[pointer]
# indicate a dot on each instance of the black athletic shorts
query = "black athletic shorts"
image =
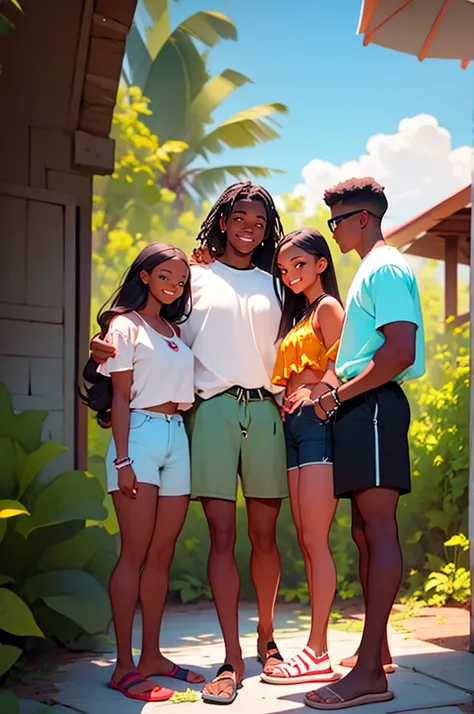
(370, 435)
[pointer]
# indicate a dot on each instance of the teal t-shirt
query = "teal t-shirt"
(383, 291)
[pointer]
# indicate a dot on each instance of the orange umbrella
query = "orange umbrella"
(424, 28)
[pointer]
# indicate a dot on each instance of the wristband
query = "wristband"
(329, 414)
(335, 396)
(121, 463)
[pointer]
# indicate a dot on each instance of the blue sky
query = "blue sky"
(307, 55)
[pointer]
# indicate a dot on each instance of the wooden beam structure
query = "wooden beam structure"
(451, 277)
(443, 233)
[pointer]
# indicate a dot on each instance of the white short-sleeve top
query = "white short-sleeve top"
(232, 329)
(163, 367)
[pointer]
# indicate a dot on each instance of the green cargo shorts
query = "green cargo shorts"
(220, 452)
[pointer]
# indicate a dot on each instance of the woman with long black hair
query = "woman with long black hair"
(148, 463)
(310, 328)
(235, 426)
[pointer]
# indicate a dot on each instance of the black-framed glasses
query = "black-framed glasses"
(333, 222)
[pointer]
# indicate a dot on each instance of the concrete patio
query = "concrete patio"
(428, 677)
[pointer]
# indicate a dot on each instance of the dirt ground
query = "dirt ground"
(446, 627)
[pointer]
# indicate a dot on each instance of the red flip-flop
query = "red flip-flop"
(129, 680)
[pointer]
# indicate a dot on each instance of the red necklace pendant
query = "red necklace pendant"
(172, 345)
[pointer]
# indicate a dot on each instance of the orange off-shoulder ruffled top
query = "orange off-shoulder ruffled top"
(301, 348)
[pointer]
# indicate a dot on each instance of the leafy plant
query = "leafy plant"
(452, 580)
(128, 199)
(10, 704)
(125, 205)
(439, 438)
(53, 569)
(190, 588)
(171, 71)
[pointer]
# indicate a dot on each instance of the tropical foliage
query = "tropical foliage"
(453, 580)
(436, 515)
(130, 204)
(53, 569)
(170, 70)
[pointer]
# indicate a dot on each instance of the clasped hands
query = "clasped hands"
(319, 395)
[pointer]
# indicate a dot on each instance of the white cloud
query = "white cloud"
(417, 166)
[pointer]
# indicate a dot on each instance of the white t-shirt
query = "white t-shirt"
(161, 373)
(232, 329)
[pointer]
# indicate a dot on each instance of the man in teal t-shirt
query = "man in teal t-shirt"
(382, 345)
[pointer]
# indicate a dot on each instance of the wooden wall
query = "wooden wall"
(45, 219)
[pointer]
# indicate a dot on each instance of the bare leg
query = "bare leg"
(358, 536)
(265, 563)
(170, 514)
(224, 581)
(136, 521)
(293, 486)
(316, 486)
(377, 507)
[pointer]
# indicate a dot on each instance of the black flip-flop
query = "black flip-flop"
(272, 651)
(215, 698)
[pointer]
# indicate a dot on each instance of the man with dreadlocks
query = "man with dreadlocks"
(235, 426)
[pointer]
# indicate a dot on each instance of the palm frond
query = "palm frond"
(245, 129)
(138, 59)
(215, 92)
(206, 26)
(207, 182)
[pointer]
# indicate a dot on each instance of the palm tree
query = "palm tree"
(173, 74)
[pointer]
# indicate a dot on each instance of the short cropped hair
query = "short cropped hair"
(358, 193)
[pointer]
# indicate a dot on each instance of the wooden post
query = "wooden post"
(450, 277)
(471, 429)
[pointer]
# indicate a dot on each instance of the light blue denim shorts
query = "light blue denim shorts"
(159, 448)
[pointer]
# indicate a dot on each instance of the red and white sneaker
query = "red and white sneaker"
(304, 668)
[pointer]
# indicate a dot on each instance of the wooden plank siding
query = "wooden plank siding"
(37, 306)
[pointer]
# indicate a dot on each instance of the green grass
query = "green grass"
(349, 625)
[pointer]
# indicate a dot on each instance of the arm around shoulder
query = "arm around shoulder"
(121, 334)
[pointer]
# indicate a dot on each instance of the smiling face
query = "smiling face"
(167, 281)
(245, 226)
(299, 270)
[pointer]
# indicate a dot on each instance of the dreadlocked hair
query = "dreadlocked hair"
(211, 233)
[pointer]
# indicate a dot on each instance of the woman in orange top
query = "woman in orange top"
(310, 328)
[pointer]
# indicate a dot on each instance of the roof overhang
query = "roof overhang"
(426, 234)
(99, 57)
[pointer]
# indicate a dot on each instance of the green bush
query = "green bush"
(54, 570)
(437, 509)
(453, 580)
